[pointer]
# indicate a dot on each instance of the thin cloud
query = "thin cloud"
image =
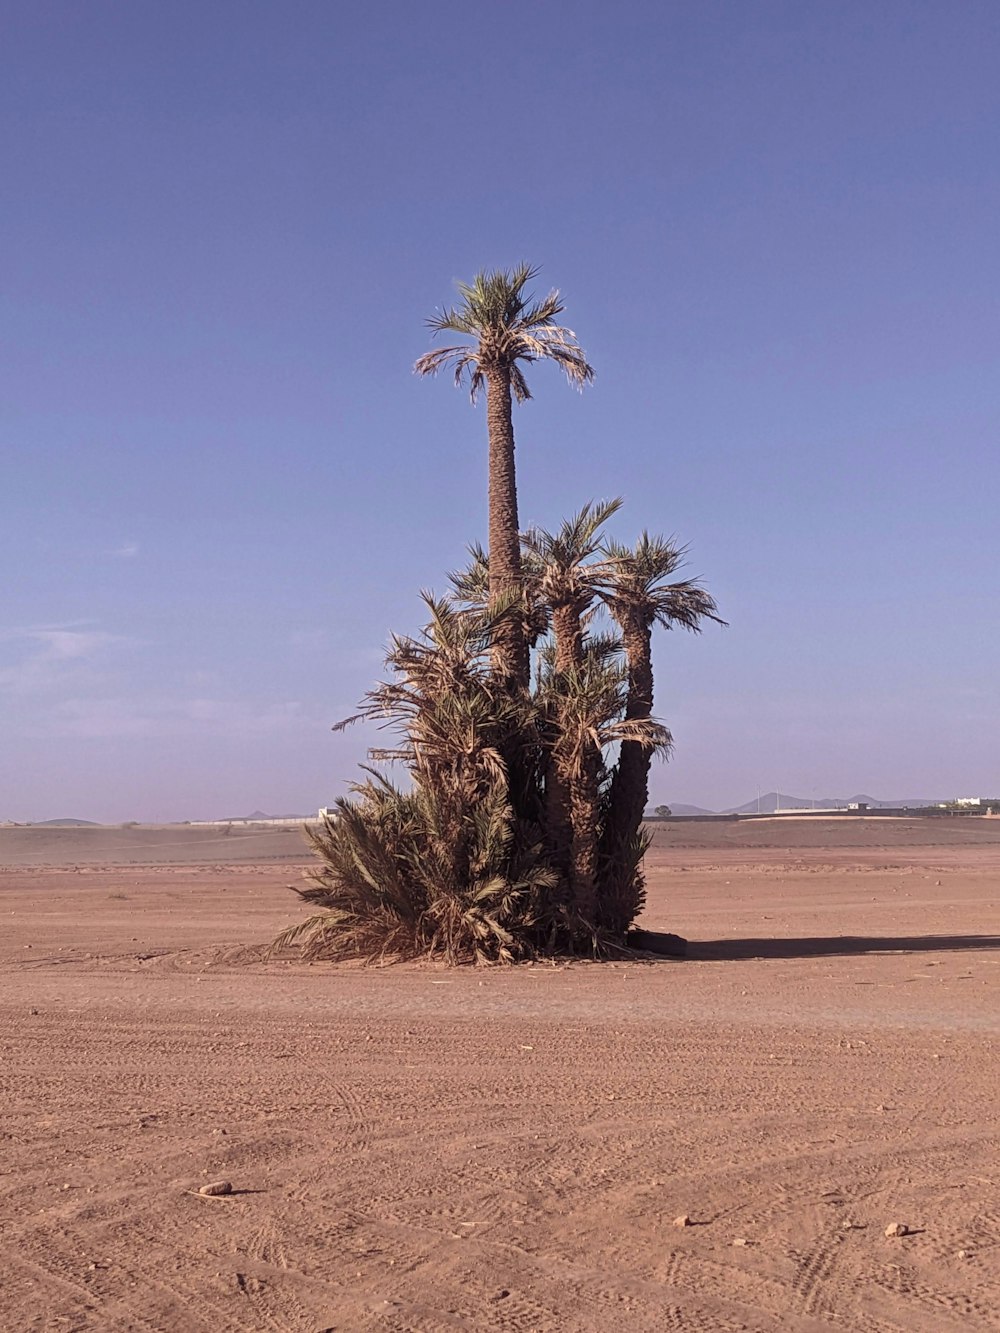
(103, 719)
(63, 645)
(47, 657)
(127, 551)
(64, 680)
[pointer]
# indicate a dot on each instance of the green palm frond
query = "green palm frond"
(471, 585)
(635, 589)
(567, 574)
(604, 648)
(577, 538)
(586, 707)
(508, 326)
(624, 884)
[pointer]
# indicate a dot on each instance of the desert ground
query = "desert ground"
(416, 1148)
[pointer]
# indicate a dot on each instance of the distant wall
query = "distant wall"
(249, 823)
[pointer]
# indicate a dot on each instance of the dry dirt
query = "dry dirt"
(413, 1148)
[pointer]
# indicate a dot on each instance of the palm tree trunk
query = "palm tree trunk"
(510, 659)
(558, 819)
(629, 785)
(584, 817)
(567, 627)
(571, 799)
(635, 759)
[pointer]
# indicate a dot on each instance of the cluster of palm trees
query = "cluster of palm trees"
(523, 712)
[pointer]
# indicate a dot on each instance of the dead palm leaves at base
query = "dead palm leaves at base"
(387, 889)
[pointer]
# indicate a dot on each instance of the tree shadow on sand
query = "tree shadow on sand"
(834, 945)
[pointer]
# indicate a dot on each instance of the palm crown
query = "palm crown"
(508, 326)
(636, 588)
(566, 576)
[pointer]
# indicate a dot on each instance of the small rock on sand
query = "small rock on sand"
(897, 1229)
(683, 1221)
(217, 1187)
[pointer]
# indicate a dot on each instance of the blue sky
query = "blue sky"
(775, 228)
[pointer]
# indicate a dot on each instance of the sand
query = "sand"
(414, 1148)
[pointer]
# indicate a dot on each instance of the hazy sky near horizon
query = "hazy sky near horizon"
(775, 228)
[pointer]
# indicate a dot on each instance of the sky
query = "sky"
(223, 226)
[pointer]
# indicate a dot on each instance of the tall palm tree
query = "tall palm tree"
(507, 326)
(638, 598)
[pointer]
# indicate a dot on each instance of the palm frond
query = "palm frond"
(634, 589)
(506, 326)
(472, 584)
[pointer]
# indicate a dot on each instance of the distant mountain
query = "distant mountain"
(66, 823)
(256, 817)
(905, 803)
(773, 801)
(768, 803)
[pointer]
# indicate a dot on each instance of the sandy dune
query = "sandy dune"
(418, 1149)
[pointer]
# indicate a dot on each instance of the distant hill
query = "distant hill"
(256, 816)
(773, 801)
(906, 802)
(65, 823)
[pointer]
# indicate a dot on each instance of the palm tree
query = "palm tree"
(507, 326)
(566, 585)
(638, 598)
